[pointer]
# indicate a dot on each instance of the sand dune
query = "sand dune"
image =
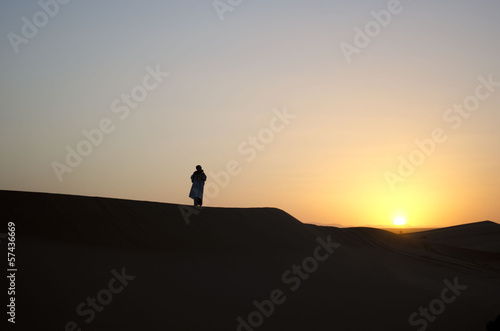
(148, 225)
(483, 236)
(240, 269)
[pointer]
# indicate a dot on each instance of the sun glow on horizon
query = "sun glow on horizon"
(399, 220)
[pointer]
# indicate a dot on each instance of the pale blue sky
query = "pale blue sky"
(352, 120)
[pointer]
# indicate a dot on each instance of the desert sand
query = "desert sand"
(91, 263)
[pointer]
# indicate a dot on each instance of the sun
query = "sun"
(399, 221)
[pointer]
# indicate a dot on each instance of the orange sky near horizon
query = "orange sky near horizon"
(339, 113)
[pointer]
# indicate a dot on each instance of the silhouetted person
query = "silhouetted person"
(198, 179)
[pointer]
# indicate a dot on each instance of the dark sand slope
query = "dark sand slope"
(482, 236)
(149, 270)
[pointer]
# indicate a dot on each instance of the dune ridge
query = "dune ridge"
(151, 225)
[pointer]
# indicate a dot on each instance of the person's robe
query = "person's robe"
(198, 180)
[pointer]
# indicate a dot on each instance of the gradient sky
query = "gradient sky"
(353, 121)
